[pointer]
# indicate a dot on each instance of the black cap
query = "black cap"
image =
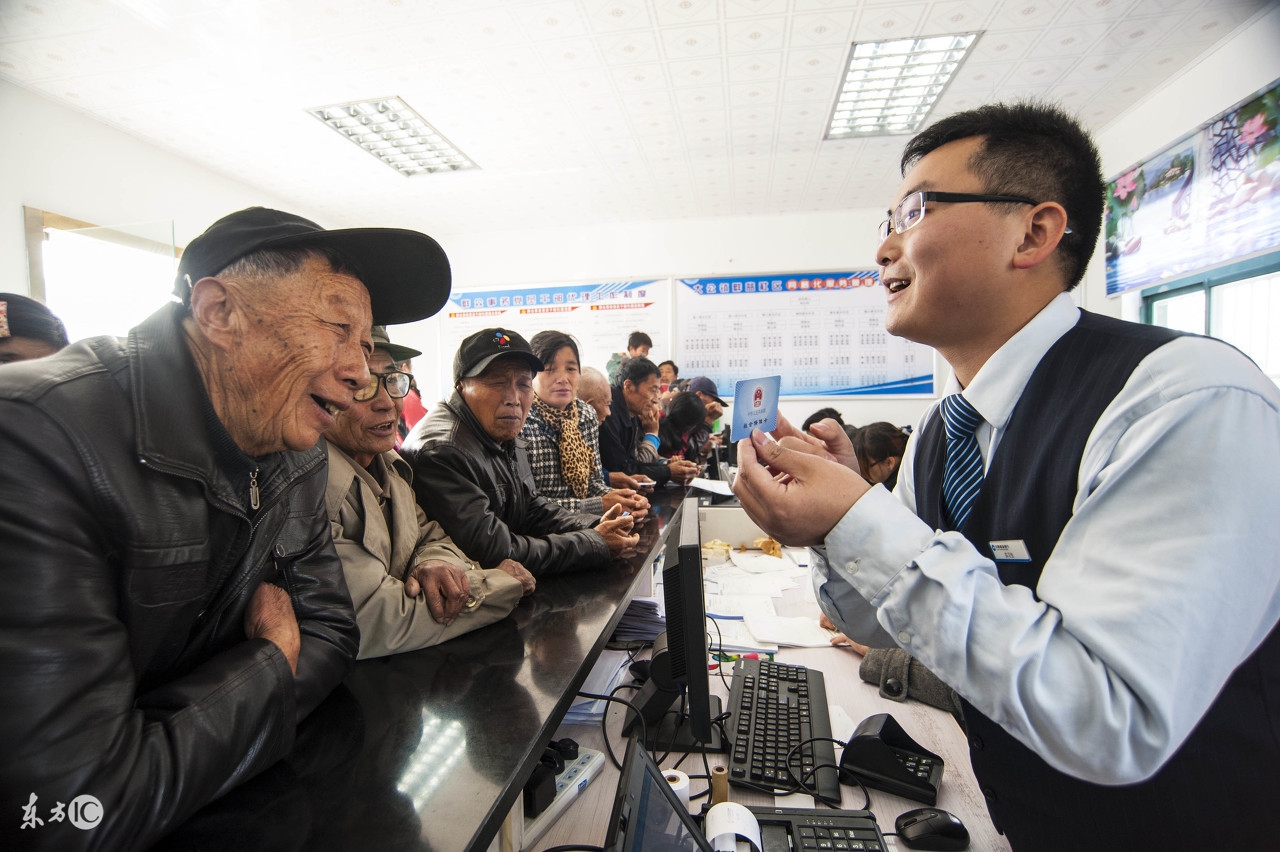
(481, 348)
(406, 273)
(705, 385)
(398, 353)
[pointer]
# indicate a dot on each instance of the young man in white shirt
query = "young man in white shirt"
(1106, 604)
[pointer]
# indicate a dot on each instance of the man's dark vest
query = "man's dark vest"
(1218, 791)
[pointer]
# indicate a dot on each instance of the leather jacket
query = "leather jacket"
(483, 494)
(130, 551)
(620, 439)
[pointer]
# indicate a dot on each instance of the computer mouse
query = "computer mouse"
(932, 829)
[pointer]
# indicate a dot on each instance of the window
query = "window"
(100, 280)
(1240, 304)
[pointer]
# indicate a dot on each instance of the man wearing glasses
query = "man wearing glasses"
(1083, 539)
(410, 584)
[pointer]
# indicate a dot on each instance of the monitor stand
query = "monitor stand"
(673, 733)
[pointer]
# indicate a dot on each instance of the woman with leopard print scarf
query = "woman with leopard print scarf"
(562, 435)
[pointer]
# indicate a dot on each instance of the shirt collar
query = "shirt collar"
(999, 383)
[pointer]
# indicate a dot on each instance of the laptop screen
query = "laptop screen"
(647, 816)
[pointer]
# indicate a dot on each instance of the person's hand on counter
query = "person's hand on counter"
(615, 527)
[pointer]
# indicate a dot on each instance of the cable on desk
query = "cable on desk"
(605, 717)
(866, 795)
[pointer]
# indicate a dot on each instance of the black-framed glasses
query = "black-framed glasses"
(396, 382)
(910, 211)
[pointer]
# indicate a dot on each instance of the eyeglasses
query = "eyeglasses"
(396, 382)
(910, 211)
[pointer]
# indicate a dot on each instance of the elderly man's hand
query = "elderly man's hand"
(515, 569)
(800, 510)
(629, 500)
(682, 471)
(270, 616)
(616, 530)
(444, 585)
(650, 416)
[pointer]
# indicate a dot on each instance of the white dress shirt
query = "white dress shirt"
(1166, 577)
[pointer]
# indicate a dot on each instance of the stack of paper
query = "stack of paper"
(641, 622)
(609, 671)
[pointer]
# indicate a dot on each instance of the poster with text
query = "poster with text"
(599, 315)
(822, 332)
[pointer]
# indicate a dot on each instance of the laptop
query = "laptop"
(647, 817)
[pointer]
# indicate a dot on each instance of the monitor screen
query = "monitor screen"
(647, 816)
(676, 702)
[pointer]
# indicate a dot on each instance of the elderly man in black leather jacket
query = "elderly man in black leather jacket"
(173, 603)
(472, 476)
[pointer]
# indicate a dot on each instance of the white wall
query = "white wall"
(59, 160)
(1247, 62)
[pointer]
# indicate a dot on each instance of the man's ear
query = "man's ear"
(1045, 226)
(216, 310)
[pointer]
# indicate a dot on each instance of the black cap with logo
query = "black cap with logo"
(481, 348)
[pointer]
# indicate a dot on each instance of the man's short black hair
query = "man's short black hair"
(639, 338)
(675, 370)
(636, 370)
(820, 415)
(1036, 150)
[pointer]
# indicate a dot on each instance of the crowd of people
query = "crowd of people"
(189, 569)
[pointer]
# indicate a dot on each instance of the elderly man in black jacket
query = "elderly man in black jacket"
(472, 475)
(173, 603)
(621, 432)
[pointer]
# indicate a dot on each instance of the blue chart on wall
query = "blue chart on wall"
(823, 332)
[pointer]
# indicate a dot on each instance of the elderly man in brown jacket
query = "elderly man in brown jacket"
(410, 584)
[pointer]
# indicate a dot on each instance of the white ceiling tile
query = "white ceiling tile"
(610, 15)
(570, 55)
(959, 16)
(686, 42)
(700, 99)
(821, 29)
(743, 8)
(755, 66)
(550, 20)
(696, 72)
(675, 12)
(880, 23)
(1070, 40)
(810, 90)
(639, 77)
(827, 63)
(630, 48)
(755, 34)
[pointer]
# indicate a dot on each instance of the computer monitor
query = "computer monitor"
(676, 701)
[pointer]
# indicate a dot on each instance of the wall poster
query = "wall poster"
(599, 315)
(823, 332)
(1209, 199)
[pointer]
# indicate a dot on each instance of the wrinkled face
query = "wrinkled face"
(639, 396)
(601, 399)
(299, 359)
(366, 429)
(13, 349)
(558, 381)
(945, 278)
(666, 374)
(500, 397)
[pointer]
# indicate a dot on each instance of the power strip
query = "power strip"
(575, 778)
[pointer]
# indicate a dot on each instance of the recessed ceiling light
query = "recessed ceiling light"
(391, 131)
(890, 86)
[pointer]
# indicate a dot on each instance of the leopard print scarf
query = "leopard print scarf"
(576, 459)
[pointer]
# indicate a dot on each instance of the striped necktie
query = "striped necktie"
(962, 476)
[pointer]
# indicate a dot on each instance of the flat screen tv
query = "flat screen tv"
(676, 701)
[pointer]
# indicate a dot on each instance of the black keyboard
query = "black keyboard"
(776, 707)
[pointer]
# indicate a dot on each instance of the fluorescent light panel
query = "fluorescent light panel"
(890, 86)
(390, 130)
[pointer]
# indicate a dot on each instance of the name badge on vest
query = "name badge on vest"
(1014, 550)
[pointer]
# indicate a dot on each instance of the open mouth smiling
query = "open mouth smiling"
(896, 285)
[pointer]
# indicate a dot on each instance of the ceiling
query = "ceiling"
(577, 111)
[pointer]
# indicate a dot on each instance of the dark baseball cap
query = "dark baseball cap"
(481, 348)
(397, 352)
(704, 385)
(406, 273)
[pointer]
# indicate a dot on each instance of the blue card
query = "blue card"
(755, 406)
